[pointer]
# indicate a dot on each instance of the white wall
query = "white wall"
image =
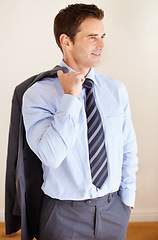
(27, 47)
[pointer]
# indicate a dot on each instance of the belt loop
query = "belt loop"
(73, 203)
(109, 197)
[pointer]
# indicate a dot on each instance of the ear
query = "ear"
(65, 41)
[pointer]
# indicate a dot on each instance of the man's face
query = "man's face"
(85, 51)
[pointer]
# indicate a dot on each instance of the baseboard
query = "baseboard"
(144, 215)
(2, 215)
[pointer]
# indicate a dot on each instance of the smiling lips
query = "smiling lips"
(96, 54)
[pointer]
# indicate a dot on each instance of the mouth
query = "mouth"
(96, 54)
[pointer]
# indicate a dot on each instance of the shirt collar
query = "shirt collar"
(63, 64)
(90, 75)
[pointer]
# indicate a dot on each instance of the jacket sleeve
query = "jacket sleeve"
(12, 209)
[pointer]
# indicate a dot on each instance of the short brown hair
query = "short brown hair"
(69, 19)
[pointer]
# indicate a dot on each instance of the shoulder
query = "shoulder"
(44, 92)
(42, 85)
(108, 82)
(111, 87)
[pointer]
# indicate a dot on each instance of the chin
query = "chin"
(95, 64)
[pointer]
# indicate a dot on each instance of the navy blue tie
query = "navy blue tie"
(96, 142)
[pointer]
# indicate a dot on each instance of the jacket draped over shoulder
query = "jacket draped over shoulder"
(24, 175)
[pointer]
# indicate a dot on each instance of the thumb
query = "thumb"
(59, 73)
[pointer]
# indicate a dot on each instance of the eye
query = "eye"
(92, 38)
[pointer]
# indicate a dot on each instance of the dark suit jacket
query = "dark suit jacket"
(24, 175)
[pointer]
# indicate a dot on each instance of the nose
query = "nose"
(100, 44)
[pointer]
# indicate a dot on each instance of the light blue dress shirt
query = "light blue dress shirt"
(56, 131)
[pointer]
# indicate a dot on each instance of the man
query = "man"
(81, 203)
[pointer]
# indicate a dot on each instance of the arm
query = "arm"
(52, 124)
(130, 161)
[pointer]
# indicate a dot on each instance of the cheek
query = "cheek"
(83, 48)
(81, 53)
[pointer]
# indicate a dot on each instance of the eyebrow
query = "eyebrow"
(95, 35)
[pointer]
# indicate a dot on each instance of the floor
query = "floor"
(136, 231)
(142, 231)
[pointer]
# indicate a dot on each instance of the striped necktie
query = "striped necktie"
(97, 150)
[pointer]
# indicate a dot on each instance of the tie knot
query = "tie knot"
(88, 83)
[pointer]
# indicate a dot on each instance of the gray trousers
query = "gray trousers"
(103, 218)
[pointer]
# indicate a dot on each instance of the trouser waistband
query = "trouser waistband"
(91, 201)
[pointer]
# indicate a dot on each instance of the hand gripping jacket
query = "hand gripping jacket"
(24, 176)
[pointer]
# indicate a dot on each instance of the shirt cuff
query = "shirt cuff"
(128, 197)
(70, 105)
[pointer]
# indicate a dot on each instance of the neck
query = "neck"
(76, 67)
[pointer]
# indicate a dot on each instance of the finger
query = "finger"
(59, 73)
(82, 80)
(77, 73)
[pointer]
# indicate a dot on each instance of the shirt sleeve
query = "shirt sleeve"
(51, 127)
(130, 160)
